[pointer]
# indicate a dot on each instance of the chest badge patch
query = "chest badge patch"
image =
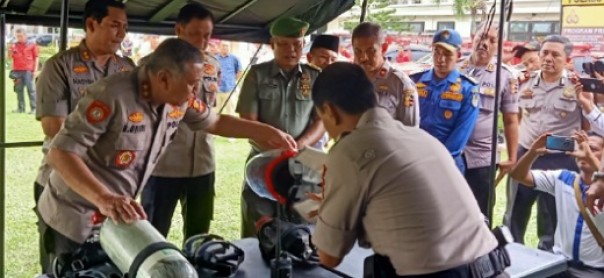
(136, 117)
(80, 69)
(123, 159)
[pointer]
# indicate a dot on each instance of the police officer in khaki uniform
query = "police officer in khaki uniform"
(111, 143)
(549, 104)
(394, 90)
(481, 66)
(185, 172)
(65, 75)
(381, 189)
(278, 93)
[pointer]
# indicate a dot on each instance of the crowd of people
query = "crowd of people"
(408, 175)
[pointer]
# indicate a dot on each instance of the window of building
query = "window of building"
(445, 25)
(415, 27)
(417, 1)
(531, 30)
(519, 27)
(402, 26)
(542, 27)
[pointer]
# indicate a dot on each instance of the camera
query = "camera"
(591, 67)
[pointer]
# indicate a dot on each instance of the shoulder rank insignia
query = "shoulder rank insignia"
(313, 66)
(468, 78)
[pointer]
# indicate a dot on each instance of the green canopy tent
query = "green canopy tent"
(236, 20)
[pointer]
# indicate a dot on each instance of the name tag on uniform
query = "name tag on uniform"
(452, 96)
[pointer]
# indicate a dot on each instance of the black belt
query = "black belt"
(489, 265)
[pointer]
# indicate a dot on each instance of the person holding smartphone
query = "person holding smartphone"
(548, 102)
(573, 238)
(591, 112)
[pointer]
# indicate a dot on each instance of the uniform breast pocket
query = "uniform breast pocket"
(449, 110)
(129, 151)
(268, 93)
(304, 104)
(531, 105)
(487, 103)
(564, 106)
(388, 101)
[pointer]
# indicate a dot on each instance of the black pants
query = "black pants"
(479, 181)
(196, 196)
(55, 244)
(44, 260)
(25, 79)
(521, 199)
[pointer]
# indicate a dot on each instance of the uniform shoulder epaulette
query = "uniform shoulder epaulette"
(128, 60)
(468, 78)
(507, 68)
(416, 76)
(210, 57)
(313, 66)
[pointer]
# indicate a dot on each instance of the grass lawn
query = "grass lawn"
(21, 233)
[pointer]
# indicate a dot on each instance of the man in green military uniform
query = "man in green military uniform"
(278, 93)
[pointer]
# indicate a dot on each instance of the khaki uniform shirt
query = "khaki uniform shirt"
(66, 75)
(397, 190)
(397, 93)
(282, 102)
(548, 108)
(191, 154)
(120, 136)
(478, 149)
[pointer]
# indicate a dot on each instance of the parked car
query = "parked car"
(46, 39)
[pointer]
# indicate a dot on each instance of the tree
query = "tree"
(473, 6)
(378, 11)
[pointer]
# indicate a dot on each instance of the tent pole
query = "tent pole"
(494, 143)
(239, 81)
(2, 140)
(364, 10)
(64, 24)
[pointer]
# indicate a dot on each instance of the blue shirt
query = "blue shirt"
(448, 107)
(229, 66)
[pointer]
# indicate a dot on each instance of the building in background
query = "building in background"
(531, 19)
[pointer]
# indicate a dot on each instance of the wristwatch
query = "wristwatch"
(597, 176)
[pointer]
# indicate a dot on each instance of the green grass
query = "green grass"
(22, 164)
